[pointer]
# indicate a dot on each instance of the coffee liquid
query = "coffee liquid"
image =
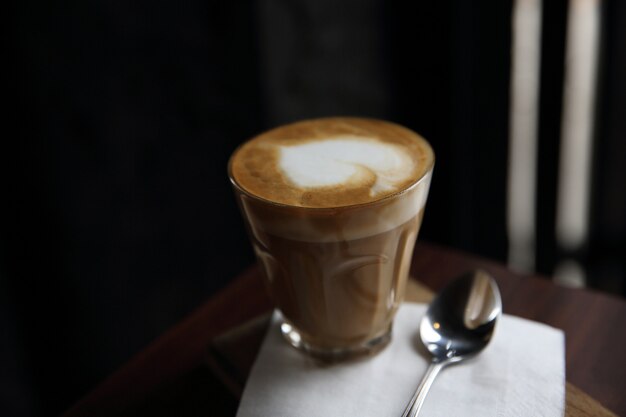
(333, 207)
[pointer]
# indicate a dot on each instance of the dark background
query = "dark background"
(119, 216)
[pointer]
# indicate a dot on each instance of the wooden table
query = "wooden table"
(171, 376)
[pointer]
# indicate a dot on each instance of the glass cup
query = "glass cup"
(337, 274)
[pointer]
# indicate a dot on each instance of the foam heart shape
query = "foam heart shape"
(350, 161)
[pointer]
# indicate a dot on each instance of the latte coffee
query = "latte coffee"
(333, 207)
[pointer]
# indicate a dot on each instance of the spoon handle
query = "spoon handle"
(414, 406)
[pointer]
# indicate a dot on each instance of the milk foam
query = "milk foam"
(349, 161)
(330, 179)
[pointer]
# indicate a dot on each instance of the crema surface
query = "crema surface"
(331, 162)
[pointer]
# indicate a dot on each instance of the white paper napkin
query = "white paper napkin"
(521, 373)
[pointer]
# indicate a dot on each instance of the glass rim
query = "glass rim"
(380, 201)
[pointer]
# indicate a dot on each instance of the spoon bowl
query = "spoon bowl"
(458, 324)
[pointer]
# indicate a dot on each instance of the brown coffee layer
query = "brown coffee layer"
(339, 294)
(255, 165)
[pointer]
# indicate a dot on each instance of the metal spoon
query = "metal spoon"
(458, 324)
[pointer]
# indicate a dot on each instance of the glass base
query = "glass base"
(370, 347)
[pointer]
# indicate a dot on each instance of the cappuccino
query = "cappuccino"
(333, 207)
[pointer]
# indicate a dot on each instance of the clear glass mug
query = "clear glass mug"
(337, 275)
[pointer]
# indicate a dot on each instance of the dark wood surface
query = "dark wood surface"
(168, 377)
